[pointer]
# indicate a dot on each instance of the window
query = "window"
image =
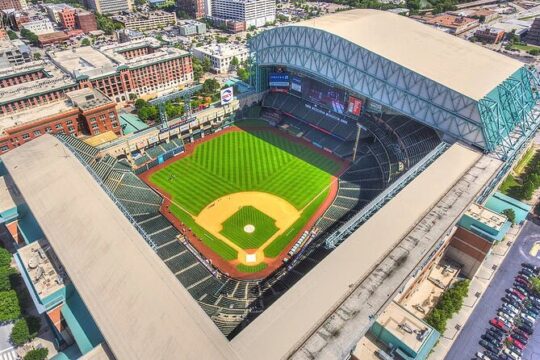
(48, 129)
(102, 117)
(37, 132)
(4, 148)
(111, 115)
(25, 136)
(93, 120)
(114, 124)
(94, 126)
(71, 129)
(58, 126)
(69, 122)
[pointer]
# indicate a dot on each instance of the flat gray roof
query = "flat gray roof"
(446, 59)
(296, 314)
(139, 306)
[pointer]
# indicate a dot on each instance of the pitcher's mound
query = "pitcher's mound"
(249, 228)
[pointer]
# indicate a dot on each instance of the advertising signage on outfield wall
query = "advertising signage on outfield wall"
(278, 80)
(227, 95)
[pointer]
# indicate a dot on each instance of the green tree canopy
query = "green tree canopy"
(24, 330)
(510, 214)
(37, 354)
(9, 306)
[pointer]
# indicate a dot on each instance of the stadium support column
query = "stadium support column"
(359, 128)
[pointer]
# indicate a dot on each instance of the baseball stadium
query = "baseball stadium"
(281, 224)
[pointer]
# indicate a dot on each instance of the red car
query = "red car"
(517, 343)
(521, 332)
(518, 294)
(499, 324)
(523, 280)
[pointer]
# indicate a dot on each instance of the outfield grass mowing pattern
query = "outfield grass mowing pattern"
(233, 228)
(246, 161)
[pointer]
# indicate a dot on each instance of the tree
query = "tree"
(24, 330)
(535, 282)
(5, 257)
(197, 69)
(106, 24)
(235, 62)
(210, 86)
(86, 42)
(140, 103)
(37, 56)
(534, 52)
(37, 354)
(9, 278)
(12, 35)
(243, 74)
(510, 214)
(9, 306)
(30, 36)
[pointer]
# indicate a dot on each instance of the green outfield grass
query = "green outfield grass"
(258, 160)
(233, 228)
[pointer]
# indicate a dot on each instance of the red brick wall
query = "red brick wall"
(100, 120)
(86, 22)
(471, 244)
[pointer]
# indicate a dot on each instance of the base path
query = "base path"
(216, 213)
(229, 267)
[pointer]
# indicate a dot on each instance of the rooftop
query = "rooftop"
(9, 194)
(450, 21)
(223, 50)
(84, 61)
(43, 268)
(485, 216)
(448, 60)
(19, 118)
(88, 98)
(54, 79)
(403, 325)
(140, 16)
(110, 258)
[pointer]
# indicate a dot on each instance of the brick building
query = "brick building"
(12, 4)
(489, 35)
(85, 21)
(80, 112)
(193, 8)
(141, 67)
(67, 18)
(32, 84)
(454, 24)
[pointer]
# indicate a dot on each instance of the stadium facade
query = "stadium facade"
(429, 123)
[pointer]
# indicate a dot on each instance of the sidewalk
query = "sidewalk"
(478, 285)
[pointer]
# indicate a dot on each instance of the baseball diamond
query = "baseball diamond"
(247, 193)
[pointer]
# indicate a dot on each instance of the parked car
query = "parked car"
(525, 316)
(531, 267)
(527, 329)
(499, 324)
(514, 292)
(512, 354)
(515, 349)
(516, 342)
(509, 310)
(488, 346)
(521, 333)
(490, 339)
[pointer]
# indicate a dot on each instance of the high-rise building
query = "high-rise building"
(250, 12)
(533, 36)
(110, 6)
(193, 8)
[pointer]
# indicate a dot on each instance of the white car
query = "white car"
(512, 354)
(528, 317)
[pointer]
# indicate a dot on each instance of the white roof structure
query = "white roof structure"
(296, 313)
(455, 63)
(139, 306)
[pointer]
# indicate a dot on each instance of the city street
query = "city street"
(466, 345)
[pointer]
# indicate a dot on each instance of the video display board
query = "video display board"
(355, 106)
(278, 80)
(333, 98)
(296, 84)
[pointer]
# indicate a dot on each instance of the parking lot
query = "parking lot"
(466, 344)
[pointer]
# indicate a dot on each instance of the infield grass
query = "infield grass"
(258, 160)
(234, 228)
